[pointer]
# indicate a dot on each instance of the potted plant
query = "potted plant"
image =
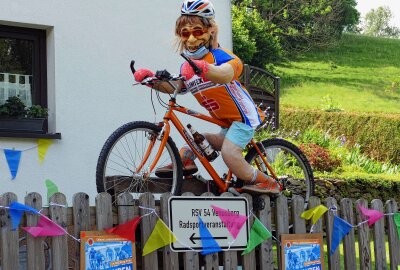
(15, 117)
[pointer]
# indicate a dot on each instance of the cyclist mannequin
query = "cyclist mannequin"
(218, 90)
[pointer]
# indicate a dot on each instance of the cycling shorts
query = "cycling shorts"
(238, 133)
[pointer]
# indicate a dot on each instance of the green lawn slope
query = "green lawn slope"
(360, 74)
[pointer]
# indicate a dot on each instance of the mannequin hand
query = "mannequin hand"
(188, 71)
(142, 74)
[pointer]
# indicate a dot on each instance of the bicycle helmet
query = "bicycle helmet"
(201, 8)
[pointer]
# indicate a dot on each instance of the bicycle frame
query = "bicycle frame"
(223, 184)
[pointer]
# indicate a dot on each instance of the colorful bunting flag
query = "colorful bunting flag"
(51, 188)
(159, 237)
(45, 227)
(43, 146)
(258, 234)
(340, 229)
(372, 215)
(13, 157)
(16, 211)
(314, 213)
(233, 222)
(397, 222)
(126, 230)
(207, 240)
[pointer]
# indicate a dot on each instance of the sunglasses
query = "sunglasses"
(196, 33)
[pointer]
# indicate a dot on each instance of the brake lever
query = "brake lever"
(196, 69)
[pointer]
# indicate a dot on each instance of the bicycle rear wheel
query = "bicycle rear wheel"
(289, 164)
(123, 167)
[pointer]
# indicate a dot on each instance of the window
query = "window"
(23, 68)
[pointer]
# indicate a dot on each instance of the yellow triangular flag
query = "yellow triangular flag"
(159, 237)
(43, 145)
(314, 213)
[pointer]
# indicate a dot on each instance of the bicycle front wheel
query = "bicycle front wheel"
(289, 164)
(125, 159)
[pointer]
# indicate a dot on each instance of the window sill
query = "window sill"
(4, 134)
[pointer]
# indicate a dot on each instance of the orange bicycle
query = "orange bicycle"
(133, 152)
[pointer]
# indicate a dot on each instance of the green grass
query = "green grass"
(359, 74)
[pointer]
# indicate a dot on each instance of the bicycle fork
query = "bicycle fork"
(163, 137)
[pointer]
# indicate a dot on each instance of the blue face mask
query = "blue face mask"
(200, 53)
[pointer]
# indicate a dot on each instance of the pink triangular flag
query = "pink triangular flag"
(233, 222)
(372, 215)
(45, 227)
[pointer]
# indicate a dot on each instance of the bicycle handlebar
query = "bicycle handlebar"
(165, 75)
(132, 66)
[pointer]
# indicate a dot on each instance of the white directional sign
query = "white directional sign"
(184, 214)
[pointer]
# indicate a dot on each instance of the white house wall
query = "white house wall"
(89, 48)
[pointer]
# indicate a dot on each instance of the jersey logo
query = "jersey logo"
(210, 104)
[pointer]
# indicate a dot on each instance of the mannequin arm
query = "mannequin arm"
(220, 74)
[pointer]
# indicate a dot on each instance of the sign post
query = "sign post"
(184, 214)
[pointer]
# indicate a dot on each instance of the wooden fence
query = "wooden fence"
(282, 217)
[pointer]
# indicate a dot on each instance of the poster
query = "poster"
(302, 251)
(100, 250)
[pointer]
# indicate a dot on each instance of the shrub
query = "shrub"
(320, 158)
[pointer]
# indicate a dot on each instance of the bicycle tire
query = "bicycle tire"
(285, 158)
(124, 150)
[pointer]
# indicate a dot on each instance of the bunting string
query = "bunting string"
(13, 156)
(162, 235)
(340, 226)
(45, 217)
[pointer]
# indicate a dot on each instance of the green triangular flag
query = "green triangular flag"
(258, 234)
(397, 222)
(51, 188)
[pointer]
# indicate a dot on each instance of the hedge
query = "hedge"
(377, 134)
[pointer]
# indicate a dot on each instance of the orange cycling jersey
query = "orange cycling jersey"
(228, 102)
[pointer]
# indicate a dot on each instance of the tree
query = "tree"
(376, 23)
(288, 26)
(253, 40)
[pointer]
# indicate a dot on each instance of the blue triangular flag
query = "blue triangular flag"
(208, 242)
(16, 211)
(13, 157)
(340, 229)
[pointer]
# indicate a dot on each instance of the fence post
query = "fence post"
(379, 237)
(9, 238)
(249, 260)
(170, 259)
(363, 238)
(35, 246)
(299, 224)
(230, 257)
(190, 259)
(334, 259)
(59, 244)
(393, 238)
(314, 202)
(104, 218)
(281, 222)
(81, 219)
(150, 261)
(349, 250)
(266, 256)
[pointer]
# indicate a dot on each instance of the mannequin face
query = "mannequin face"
(194, 36)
